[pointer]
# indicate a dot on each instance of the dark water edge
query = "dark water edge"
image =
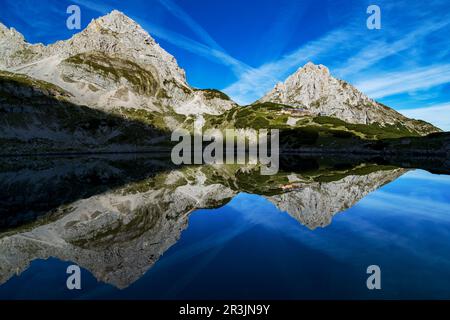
(435, 145)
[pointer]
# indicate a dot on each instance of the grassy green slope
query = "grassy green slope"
(275, 116)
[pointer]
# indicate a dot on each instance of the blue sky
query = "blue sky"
(245, 47)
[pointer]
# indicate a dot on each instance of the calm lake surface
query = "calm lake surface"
(142, 230)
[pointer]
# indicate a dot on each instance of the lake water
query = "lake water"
(140, 229)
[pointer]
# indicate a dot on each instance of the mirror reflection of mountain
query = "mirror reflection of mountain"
(99, 213)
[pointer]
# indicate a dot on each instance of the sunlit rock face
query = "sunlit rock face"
(119, 234)
(315, 90)
(113, 63)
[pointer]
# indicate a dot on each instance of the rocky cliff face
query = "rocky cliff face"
(313, 89)
(112, 63)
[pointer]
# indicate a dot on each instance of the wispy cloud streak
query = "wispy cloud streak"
(213, 54)
(376, 51)
(389, 84)
(178, 12)
(215, 49)
(439, 115)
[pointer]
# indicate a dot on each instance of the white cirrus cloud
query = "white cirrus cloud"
(439, 115)
(392, 83)
(215, 53)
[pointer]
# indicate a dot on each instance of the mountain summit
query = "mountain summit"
(112, 34)
(113, 64)
(315, 90)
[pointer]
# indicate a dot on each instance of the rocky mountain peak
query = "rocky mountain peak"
(117, 23)
(309, 84)
(116, 16)
(3, 28)
(12, 47)
(314, 89)
(315, 77)
(113, 63)
(11, 32)
(308, 73)
(310, 67)
(117, 35)
(117, 32)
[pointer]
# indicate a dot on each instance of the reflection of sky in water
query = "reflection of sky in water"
(249, 249)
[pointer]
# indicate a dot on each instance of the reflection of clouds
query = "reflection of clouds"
(336, 241)
(370, 234)
(410, 224)
(407, 225)
(421, 226)
(215, 241)
(203, 250)
(413, 227)
(257, 210)
(424, 175)
(394, 204)
(254, 209)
